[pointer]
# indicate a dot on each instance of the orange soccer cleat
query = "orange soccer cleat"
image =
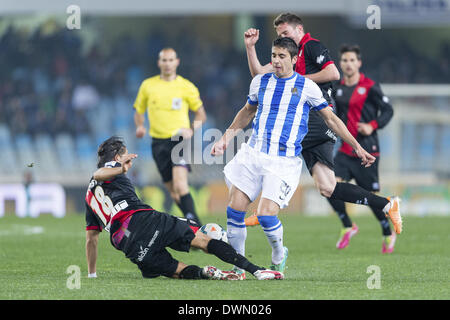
(251, 220)
(394, 214)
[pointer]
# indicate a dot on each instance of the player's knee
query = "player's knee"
(201, 241)
(175, 197)
(326, 190)
(180, 188)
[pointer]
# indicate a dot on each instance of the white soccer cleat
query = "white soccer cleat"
(214, 273)
(268, 275)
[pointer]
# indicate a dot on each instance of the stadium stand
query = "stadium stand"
(60, 97)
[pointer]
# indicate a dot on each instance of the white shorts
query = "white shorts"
(252, 171)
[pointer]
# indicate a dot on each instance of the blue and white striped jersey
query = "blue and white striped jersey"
(281, 121)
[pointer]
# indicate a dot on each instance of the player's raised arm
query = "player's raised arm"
(319, 54)
(108, 173)
(251, 36)
(241, 120)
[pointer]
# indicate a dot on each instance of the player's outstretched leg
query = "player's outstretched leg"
(193, 272)
(226, 253)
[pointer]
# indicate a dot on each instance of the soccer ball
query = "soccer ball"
(215, 231)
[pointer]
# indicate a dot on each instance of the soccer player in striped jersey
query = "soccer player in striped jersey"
(315, 63)
(279, 103)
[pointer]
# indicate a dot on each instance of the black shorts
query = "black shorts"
(322, 153)
(150, 232)
(162, 153)
(349, 168)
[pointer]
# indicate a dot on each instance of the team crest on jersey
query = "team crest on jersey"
(294, 91)
(339, 92)
(361, 90)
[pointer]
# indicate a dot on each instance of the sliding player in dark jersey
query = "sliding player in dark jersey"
(363, 107)
(314, 62)
(143, 233)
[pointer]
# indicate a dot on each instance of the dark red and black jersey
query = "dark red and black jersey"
(363, 102)
(110, 201)
(313, 57)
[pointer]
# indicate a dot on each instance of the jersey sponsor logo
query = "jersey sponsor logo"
(320, 59)
(143, 251)
(361, 90)
(331, 134)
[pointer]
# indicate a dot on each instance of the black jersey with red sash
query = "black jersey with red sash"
(363, 102)
(313, 57)
(108, 202)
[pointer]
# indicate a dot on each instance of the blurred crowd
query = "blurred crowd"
(48, 83)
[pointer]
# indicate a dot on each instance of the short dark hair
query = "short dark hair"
(289, 18)
(351, 48)
(286, 43)
(109, 149)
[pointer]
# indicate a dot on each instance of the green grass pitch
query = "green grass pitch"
(35, 255)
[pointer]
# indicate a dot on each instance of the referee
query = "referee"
(167, 98)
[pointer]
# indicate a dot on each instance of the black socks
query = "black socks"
(225, 252)
(355, 194)
(187, 206)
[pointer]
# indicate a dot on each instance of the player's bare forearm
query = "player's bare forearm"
(242, 119)
(254, 65)
(199, 118)
(91, 249)
(336, 124)
(139, 119)
(105, 174)
(330, 73)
